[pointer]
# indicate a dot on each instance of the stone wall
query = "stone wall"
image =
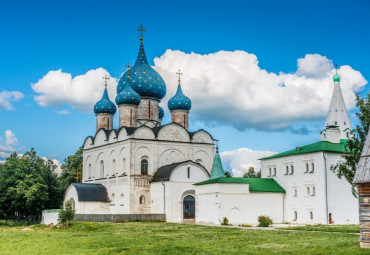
(104, 120)
(119, 217)
(127, 115)
(180, 117)
(143, 111)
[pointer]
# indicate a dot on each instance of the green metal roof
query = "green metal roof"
(313, 147)
(51, 210)
(217, 169)
(255, 184)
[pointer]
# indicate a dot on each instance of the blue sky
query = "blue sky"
(78, 36)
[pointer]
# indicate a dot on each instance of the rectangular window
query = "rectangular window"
(274, 171)
(188, 172)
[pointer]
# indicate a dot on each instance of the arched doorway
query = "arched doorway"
(189, 207)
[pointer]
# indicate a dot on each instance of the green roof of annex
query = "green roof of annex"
(313, 147)
(255, 184)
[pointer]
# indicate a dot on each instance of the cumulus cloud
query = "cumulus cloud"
(62, 112)
(58, 88)
(58, 166)
(7, 96)
(239, 160)
(226, 88)
(9, 144)
(230, 88)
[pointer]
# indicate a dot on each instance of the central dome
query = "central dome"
(144, 79)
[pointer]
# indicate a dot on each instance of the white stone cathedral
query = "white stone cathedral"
(149, 171)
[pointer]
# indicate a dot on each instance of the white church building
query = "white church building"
(149, 171)
(314, 194)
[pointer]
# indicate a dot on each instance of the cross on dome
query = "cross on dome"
(179, 73)
(106, 78)
(128, 66)
(336, 66)
(141, 29)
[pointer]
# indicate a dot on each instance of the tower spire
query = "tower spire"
(217, 169)
(337, 116)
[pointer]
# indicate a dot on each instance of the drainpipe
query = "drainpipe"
(164, 197)
(326, 189)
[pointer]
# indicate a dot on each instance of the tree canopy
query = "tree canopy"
(354, 146)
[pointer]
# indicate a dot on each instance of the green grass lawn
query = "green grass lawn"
(328, 228)
(169, 238)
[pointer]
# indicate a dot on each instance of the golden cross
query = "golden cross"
(336, 67)
(128, 66)
(179, 73)
(141, 29)
(106, 78)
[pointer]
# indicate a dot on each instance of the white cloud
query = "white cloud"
(226, 88)
(57, 88)
(58, 169)
(10, 145)
(229, 88)
(239, 160)
(7, 96)
(62, 112)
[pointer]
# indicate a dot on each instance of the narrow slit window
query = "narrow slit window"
(188, 172)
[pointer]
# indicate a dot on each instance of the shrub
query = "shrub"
(264, 221)
(225, 221)
(67, 213)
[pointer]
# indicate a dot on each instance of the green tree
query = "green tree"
(228, 174)
(27, 185)
(67, 213)
(71, 167)
(354, 146)
(251, 173)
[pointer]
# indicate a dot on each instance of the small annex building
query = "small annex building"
(241, 200)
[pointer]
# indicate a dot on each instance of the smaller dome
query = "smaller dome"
(179, 101)
(161, 112)
(336, 77)
(128, 95)
(105, 105)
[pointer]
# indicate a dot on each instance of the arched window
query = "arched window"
(113, 167)
(295, 192)
(287, 170)
(274, 171)
(311, 215)
(89, 171)
(313, 191)
(312, 167)
(307, 167)
(269, 172)
(308, 190)
(144, 166)
(123, 166)
(101, 168)
(295, 216)
(142, 200)
(291, 169)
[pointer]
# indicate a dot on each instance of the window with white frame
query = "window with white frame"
(274, 171)
(291, 169)
(269, 172)
(286, 170)
(312, 168)
(307, 168)
(313, 191)
(308, 190)
(311, 215)
(295, 192)
(101, 169)
(295, 215)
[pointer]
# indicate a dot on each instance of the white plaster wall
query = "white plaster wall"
(50, 218)
(177, 188)
(341, 204)
(234, 201)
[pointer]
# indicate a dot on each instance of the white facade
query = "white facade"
(235, 202)
(314, 194)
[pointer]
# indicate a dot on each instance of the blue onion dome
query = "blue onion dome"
(144, 79)
(179, 101)
(128, 95)
(161, 112)
(336, 77)
(105, 105)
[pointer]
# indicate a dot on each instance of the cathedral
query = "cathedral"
(148, 170)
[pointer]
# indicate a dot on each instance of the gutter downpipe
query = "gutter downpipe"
(164, 197)
(326, 189)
